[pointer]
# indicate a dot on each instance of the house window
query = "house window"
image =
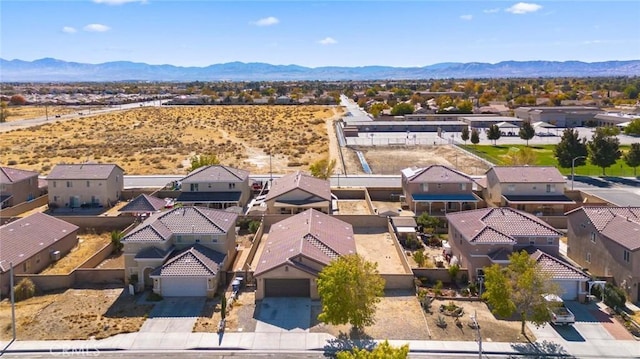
(209, 185)
(511, 188)
(55, 198)
(463, 186)
(194, 187)
(54, 184)
(69, 184)
(593, 237)
(232, 185)
(197, 240)
(534, 187)
(88, 185)
(588, 257)
(625, 255)
(425, 187)
(549, 241)
(532, 241)
(551, 188)
(439, 185)
(214, 240)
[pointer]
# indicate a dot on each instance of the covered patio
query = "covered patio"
(539, 205)
(450, 202)
(217, 200)
(294, 207)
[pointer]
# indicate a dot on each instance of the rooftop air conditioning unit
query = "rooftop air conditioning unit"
(55, 255)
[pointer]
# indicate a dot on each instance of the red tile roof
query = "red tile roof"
(528, 174)
(12, 175)
(305, 182)
(23, 238)
(498, 225)
(82, 171)
(144, 203)
(195, 261)
(311, 234)
(620, 224)
(436, 174)
(557, 268)
(216, 173)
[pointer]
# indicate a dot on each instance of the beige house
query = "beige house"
(533, 189)
(606, 240)
(32, 243)
(297, 249)
(438, 189)
(85, 185)
(17, 186)
(296, 192)
(181, 252)
(215, 186)
(483, 237)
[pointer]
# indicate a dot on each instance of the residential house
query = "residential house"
(17, 186)
(438, 189)
(85, 184)
(534, 189)
(296, 192)
(606, 240)
(215, 186)
(181, 252)
(296, 250)
(483, 237)
(32, 243)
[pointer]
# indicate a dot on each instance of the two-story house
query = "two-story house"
(32, 243)
(296, 192)
(215, 186)
(17, 186)
(606, 240)
(181, 252)
(85, 184)
(297, 249)
(483, 237)
(437, 189)
(534, 189)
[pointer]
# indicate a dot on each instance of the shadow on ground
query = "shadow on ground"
(544, 349)
(127, 306)
(348, 341)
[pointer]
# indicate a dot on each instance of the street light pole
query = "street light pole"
(573, 165)
(13, 301)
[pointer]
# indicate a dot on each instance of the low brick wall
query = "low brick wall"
(46, 283)
(24, 207)
(349, 193)
(399, 249)
(557, 222)
(363, 220)
(256, 243)
(398, 281)
(385, 194)
(129, 194)
(98, 257)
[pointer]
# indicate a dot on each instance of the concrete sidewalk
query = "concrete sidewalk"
(299, 341)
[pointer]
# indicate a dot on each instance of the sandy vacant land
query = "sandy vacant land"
(74, 314)
(375, 245)
(352, 206)
(162, 140)
(17, 113)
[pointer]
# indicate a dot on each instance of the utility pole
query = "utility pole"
(474, 318)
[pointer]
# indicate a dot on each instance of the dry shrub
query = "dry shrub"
(24, 290)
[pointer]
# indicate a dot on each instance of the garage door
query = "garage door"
(568, 289)
(287, 288)
(184, 286)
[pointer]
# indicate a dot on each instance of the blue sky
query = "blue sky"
(310, 33)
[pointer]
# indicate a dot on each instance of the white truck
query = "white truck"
(560, 314)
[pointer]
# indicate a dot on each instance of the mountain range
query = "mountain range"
(48, 69)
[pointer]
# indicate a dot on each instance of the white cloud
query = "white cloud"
(491, 11)
(327, 41)
(466, 17)
(523, 8)
(267, 21)
(96, 28)
(69, 30)
(118, 2)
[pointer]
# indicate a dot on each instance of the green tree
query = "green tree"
(632, 157)
(402, 108)
(631, 92)
(4, 112)
(429, 223)
(494, 133)
(464, 135)
(604, 149)
(377, 108)
(198, 161)
(323, 168)
(116, 240)
(633, 128)
(519, 288)
(526, 132)
(349, 288)
(570, 147)
(475, 136)
(382, 351)
(465, 106)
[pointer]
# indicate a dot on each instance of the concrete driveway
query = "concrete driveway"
(174, 315)
(276, 315)
(594, 333)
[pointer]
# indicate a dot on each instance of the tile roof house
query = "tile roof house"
(533, 189)
(143, 205)
(296, 192)
(296, 250)
(606, 240)
(181, 252)
(17, 186)
(438, 188)
(216, 186)
(85, 184)
(32, 243)
(483, 237)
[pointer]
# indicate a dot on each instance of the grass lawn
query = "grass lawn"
(495, 154)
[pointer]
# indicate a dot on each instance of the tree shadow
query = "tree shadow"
(356, 338)
(543, 349)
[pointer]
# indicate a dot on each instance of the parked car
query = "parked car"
(560, 314)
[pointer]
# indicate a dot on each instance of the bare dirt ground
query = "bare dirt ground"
(17, 113)
(114, 261)
(162, 140)
(74, 314)
(375, 245)
(88, 245)
(353, 206)
(239, 317)
(391, 160)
